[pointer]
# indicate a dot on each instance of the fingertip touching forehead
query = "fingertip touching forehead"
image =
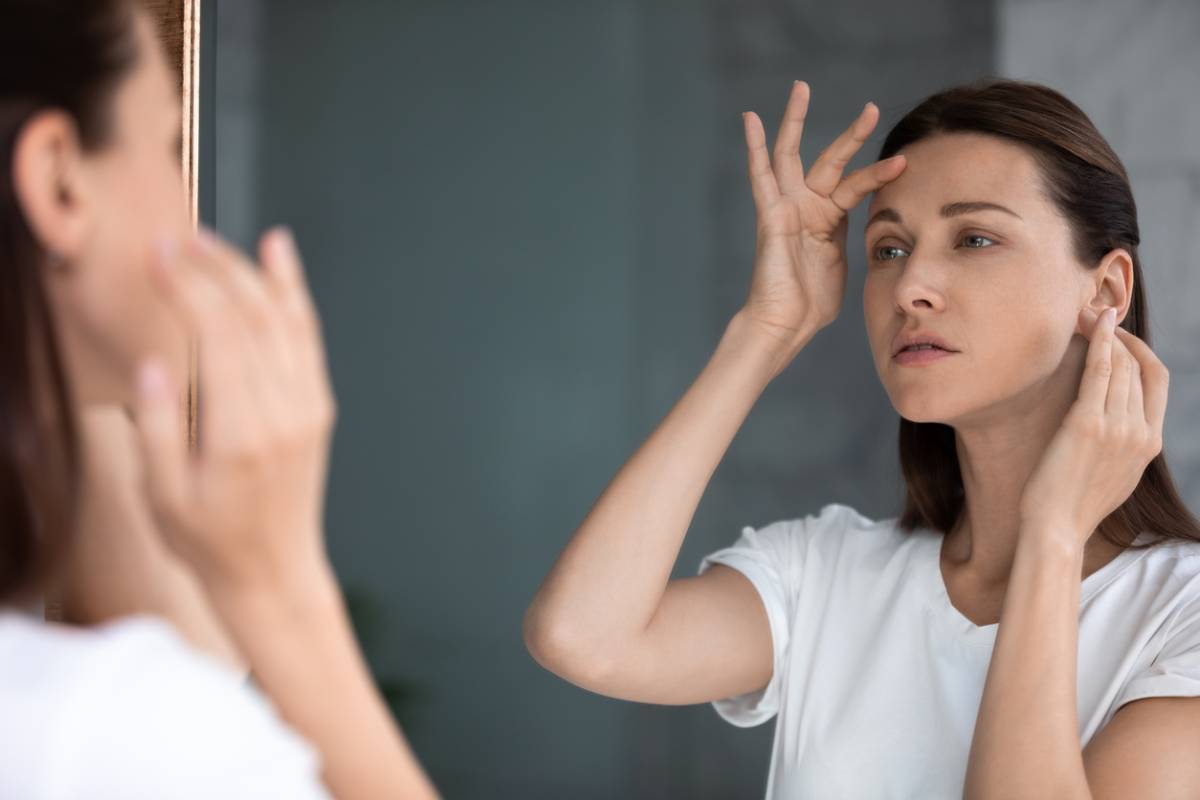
(955, 174)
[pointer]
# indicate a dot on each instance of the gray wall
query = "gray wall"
(1133, 67)
(526, 224)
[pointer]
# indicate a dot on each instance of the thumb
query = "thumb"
(161, 438)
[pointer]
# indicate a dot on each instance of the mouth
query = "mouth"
(916, 354)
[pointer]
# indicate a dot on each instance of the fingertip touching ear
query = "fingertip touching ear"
(1112, 284)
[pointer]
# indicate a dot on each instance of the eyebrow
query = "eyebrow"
(948, 210)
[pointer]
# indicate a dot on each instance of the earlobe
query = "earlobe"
(46, 164)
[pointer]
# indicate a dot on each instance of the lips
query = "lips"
(915, 356)
(922, 340)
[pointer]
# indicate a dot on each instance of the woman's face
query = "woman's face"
(131, 193)
(998, 283)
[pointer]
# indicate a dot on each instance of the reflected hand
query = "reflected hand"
(1108, 437)
(250, 502)
(800, 268)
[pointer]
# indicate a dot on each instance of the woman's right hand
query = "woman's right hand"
(248, 506)
(799, 277)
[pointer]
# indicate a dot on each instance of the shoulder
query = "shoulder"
(835, 532)
(835, 527)
(1171, 567)
(128, 709)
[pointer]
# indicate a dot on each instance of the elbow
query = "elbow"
(564, 647)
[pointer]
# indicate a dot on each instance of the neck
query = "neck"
(998, 449)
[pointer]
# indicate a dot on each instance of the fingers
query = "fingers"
(284, 272)
(258, 317)
(194, 296)
(826, 172)
(1135, 405)
(1117, 401)
(1154, 378)
(789, 170)
(160, 438)
(222, 300)
(282, 265)
(762, 179)
(860, 183)
(1153, 375)
(1097, 370)
(234, 273)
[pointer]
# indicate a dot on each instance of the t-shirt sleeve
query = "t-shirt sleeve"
(1175, 671)
(160, 720)
(766, 557)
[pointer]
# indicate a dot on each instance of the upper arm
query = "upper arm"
(1147, 750)
(709, 639)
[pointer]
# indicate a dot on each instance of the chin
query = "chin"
(925, 405)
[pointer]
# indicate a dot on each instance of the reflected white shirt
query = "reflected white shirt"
(128, 710)
(877, 677)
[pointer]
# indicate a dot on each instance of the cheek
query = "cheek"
(114, 302)
(877, 311)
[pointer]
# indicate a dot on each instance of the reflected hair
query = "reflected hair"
(67, 55)
(1086, 182)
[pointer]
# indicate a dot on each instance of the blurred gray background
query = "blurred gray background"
(526, 223)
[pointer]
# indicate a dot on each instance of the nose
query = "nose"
(920, 285)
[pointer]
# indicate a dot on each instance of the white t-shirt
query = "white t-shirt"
(128, 710)
(878, 677)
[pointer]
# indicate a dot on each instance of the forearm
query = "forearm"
(296, 633)
(609, 579)
(1026, 741)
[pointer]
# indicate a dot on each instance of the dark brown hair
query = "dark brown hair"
(54, 54)
(1087, 183)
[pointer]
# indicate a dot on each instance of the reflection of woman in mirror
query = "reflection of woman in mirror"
(1029, 626)
(103, 286)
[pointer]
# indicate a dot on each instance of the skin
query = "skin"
(243, 515)
(118, 564)
(967, 278)
(103, 223)
(1056, 415)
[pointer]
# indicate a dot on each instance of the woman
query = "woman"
(103, 285)
(981, 643)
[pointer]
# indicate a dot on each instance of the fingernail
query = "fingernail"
(287, 239)
(152, 381)
(205, 239)
(168, 248)
(1110, 315)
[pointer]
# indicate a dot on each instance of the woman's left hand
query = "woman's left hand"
(1109, 436)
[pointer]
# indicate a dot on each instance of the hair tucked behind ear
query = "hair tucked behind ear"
(54, 54)
(1087, 183)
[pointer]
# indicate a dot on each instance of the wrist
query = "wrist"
(296, 589)
(1056, 535)
(775, 349)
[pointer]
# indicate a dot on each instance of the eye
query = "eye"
(888, 253)
(974, 241)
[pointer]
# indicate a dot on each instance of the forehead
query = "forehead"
(956, 167)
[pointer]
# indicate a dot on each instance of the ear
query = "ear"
(51, 183)
(1112, 283)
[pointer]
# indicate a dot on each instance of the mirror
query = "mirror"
(525, 225)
